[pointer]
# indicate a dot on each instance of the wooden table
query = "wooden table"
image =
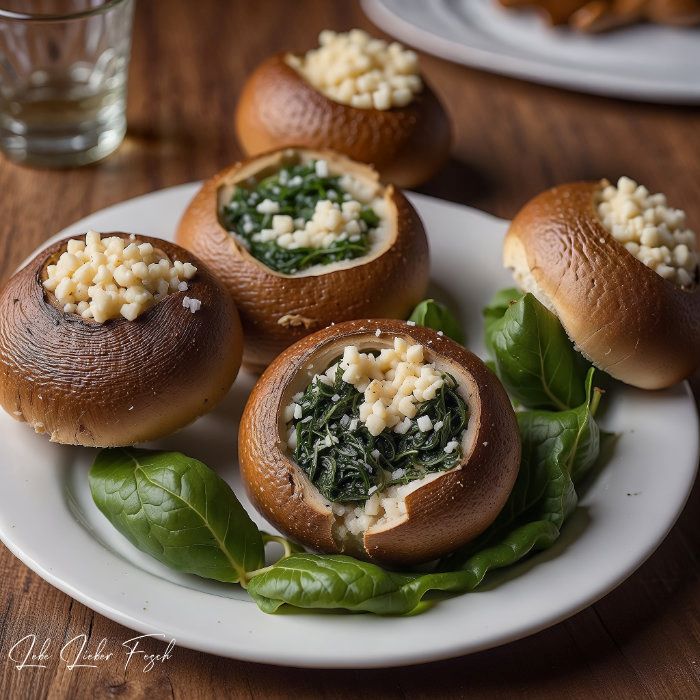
(512, 139)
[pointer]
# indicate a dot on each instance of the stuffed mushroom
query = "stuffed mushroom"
(302, 239)
(114, 340)
(620, 269)
(379, 439)
(354, 94)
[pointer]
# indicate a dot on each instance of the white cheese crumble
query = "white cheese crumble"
(392, 383)
(331, 222)
(355, 69)
(451, 446)
(105, 278)
(381, 506)
(424, 424)
(651, 230)
(193, 305)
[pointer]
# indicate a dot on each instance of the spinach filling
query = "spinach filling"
(296, 189)
(349, 465)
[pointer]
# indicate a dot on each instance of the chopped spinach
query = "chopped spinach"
(296, 189)
(350, 464)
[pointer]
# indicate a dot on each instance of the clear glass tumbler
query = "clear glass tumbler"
(63, 75)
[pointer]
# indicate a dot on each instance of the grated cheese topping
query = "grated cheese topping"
(357, 70)
(106, 278)
(653, 232)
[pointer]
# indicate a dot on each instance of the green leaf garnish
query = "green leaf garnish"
(532, 354)
(558, 449)
(433, 314)
(177, 510)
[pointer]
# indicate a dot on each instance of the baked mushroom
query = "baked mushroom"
(380, 439)
(113, 341)
(354, 94)
(620, 270)
(305, 238)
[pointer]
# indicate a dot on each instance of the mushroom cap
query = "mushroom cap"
(446, 512)
(624, 317)
(118, 382)
(279, 107)
(278, 309)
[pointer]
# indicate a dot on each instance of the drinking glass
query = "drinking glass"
(63, 75)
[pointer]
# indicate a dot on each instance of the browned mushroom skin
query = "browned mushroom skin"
(279, 108)
(118, 382)
(444, 514)
(277, 310)
(623, 316)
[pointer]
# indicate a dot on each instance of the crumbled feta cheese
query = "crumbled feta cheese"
(321, 168)
(451, 446)
(424, 424)
(331, 222)
(105, 278)
(650, 230)
(355, 69)
(268, 206)
(403, 427)
(392, 383)
(193, 305)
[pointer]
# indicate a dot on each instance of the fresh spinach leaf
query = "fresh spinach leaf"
(495, 310)
(339, 582)
(433, 314)
(177, 510)
(532, 354)
(558, 449)
(556, 446)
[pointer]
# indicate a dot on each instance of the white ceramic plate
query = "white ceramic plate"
(48, 520)
(644, 62)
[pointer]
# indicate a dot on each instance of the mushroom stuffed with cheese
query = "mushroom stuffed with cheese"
(305, 238)
(353, 94)
(114, 340)
(619, 268)
(380, 439)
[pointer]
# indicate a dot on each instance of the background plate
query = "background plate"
(643, 62)
(48, 520)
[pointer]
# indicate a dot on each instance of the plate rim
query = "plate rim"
(527, 68)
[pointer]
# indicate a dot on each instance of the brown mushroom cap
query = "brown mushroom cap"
(442, 515)
(623, 316)
(278, 309)
(118, 382)
(279, 107)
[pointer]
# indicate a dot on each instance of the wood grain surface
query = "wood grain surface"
(512, 140)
